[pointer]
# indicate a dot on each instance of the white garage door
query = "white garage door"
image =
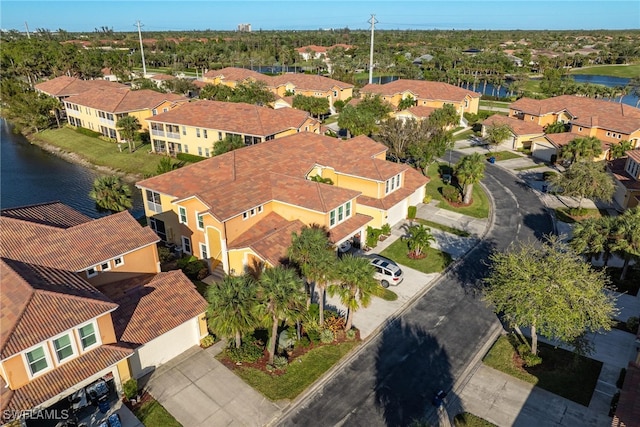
(164, 348)
(397, 213)
(543, 151)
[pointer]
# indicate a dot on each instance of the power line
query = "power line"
(144, 67)
(373, 22)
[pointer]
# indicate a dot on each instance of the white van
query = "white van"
(387, 271)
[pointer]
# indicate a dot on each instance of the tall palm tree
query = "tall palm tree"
(128, 126)
(111, 194)
(307, 248)
(626, 234)
(589, 237)
(354, 285)
(419, 238)
(281, 297)
(232, 307)
(620, 149)
(587, 147)
(469, 170)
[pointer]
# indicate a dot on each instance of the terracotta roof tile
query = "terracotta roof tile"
(308, 82)
(517, 126)
(53, 214)
(269, 238)
(234, 117)
(70, 248)
(634, 154)
(348, 227)
(586, 112)
(68, 86)
(233, 74)
(40, 302)
(254, 175)
(152, 304)
(65, 376)
(120, 101)
(413, 180)
(421, 89)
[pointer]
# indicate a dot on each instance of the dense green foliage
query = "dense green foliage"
(585, 179)
(111, 194)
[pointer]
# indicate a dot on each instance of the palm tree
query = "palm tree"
(626, 234)
(111, 194)
(232, 307)
(355, 284)
(590, 237)
(469, 170)
(588, 147)
(128, 126)
(620, 149)
(281, 297)
(634, 88)
(419, 238)
(167, 165)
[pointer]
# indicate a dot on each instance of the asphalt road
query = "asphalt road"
(392, 379)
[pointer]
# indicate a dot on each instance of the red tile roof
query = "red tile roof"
(234, 117)
(54, 214)
(348, 227)
(308, 82)
(68, 86)
(41, 302)
(421, 111)
(69, 248)
(152, 304)
(269, 238)
(412, 181)
(276, 170)
(634, 154)
(123, 100)
(564, 138)
(628, 410)
(586, 112)
(517, 126)
(421, 89)
(617, 168)
(64, 377)
(233, 74)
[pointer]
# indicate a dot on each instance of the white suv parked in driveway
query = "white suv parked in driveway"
(387, 271)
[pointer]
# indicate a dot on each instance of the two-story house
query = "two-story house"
(84, 301)
(195, 127)
(610, 122)
(63, 87)
(523, 134)
(426, 94)
(100, 110)
(626, 172)
(240, 208)
(233, 76)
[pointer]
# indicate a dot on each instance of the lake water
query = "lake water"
(30, 175)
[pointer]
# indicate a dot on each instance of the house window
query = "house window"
(186, 245)
(204, 254)
(183, 215)
(253, 212)
(608, 133)
(200, 220)
(105, 266)
(184, 130)
(204, 133)
(64, 347)
(347, 209)
(117, 262)
(186, 148)
(153, 201)
(198, 132)
(260, 209)
(37, 360)
(580, 129)
(332, 218)
(92, 272)
(164, 110)
(340, 214)
(335, 93)
(392, 184)
(206, 152)
(245, 215)
(88, 336)
(154, 112)
(200, 151)
(219, 136)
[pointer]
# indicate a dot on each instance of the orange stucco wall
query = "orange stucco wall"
(107, 333)
(143, 260)
(16, 371)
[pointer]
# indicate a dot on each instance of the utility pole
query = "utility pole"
(144, 67)
(372, 21)
(27, 27)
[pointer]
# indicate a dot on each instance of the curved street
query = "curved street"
(391, 380)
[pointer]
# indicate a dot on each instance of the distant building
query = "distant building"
(245, 28)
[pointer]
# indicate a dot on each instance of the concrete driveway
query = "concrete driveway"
(199, 391)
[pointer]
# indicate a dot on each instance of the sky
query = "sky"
(164, 15)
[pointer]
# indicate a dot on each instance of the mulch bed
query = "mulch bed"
(144, 397)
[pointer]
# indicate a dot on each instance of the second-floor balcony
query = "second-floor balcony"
(157, 132)
(107, 122)
(72, 112)
(174, 135)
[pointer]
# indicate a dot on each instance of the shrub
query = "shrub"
(327, 336)
(193, 268)
(547, 175)
(412, 211)
(386, 229)
(451, 193)
(620, 382)
(207, 341)
(373, 234)
(191, 158)
(530, 359)
(314, 336)
(351, 334)
(632, 324)
(164, 254)
(427, 199)
(88, 132)
(280, 362)
(304, 342)
(248, 352)
(130, 388)
(334, 323)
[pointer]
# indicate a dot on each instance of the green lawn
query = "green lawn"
(503, 155)
(628, 71)
(102, 153)
(463, 135)
(300, 373)
(524, 168)
(442, 227)
(434, 262)
(499, 104)
(561, 372)
(153, 414)
(385, 294)
(479, 208)
(466, 419)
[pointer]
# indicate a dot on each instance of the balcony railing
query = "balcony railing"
(71, 112)
(173, 135)
(157, 132)
(107, 122)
